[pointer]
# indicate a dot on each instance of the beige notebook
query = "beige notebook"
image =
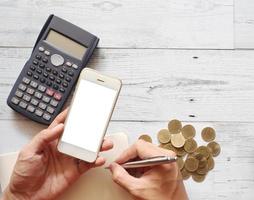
(96, 184)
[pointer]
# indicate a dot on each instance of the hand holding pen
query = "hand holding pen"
(160, 181)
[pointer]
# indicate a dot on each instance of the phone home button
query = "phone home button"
(57, 60)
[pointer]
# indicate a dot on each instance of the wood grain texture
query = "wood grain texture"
(232, 178)
(126, 23)
(163, 84)
(244, 24)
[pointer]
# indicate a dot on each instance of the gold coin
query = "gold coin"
(191, 164)
(190, 145)
(177, 140)
(214, 148)
(180, 151)
(174, 126)
(202, 170)
(185, 174)
(198, 178)
(188, 131)
(202, 162)
(169, 146)
(180, 162)
(204, 151)
(210, 163)
(164, 136)
(146, 138)
(208, 134)
(196, 155)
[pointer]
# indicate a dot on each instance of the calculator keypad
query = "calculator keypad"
(46, 80)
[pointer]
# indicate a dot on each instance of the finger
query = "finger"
(106, 145)
(59, 118)
(45, 137)
(122, 177)
(143, 150)
(84, 166)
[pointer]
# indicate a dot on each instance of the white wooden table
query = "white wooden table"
(176, 59)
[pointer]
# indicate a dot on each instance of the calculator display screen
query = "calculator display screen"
(88, 116)
(65, 44)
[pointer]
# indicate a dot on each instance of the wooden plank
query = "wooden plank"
(125, 23)
(244, 24)
(232, 178)
(163, 84)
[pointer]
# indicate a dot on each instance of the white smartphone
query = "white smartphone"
(89, 115)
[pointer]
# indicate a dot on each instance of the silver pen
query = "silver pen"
(152, 161)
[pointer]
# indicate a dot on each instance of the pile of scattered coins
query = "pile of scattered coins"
(193, 160)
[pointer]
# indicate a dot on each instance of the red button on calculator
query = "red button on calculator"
(57, 96)
(50, 92)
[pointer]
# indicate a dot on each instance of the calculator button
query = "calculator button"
(29, 73)
(45, 60)
(64, 70)
(48, 69)
(38, 57)
(39, 71)
(19, 93)
(22, 87)
(57, 60)
(55, 72)
(31, 108)
(71, 73)
(14, 100)
(65, 84)
(42, 80)
(38, 112)
(38, 95)
(55, 86)
(48, 83)
(27, 97)
(41, 88)
(50, 92)
(32, 67)
(45, 99)
(53, 103)
(35, 62)
(58, 81)
(52, 78)
(46, 116)
(34, 102)
(68, 64)
(36, 76)
(34, 84)
(41, 66)
(22, 104)
(30, 91)
(68, 79)
(50, 110)
(42, 106)
(45, 74)
(62, 90)
(58, 96)
(75, 66)
(41, 49)
(61, 75)
(26, 80)
(47, 53)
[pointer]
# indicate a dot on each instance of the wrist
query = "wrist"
(8, 194)
(180, 192)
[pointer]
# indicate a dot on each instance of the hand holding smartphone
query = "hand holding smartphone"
(89, 115)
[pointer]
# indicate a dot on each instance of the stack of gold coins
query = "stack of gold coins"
(193, 160)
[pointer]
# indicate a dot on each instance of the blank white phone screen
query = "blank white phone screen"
(88, 116)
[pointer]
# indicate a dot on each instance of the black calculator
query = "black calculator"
(61, 51)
